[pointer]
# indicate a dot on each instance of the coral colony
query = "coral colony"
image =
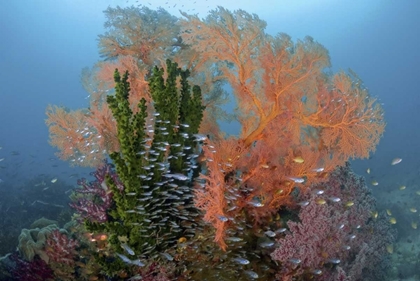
(178, 198)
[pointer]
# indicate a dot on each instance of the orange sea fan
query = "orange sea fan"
(101, 118)
(286, 105)
(210, 196)
(138, 85)
(350, 122)
(139, 32)
(268, 75)
(71, 133)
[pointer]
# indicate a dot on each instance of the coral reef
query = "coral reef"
(288, 107)
(188, 202)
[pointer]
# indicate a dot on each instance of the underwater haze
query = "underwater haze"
(44, 48)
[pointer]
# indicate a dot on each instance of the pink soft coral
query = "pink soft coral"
(60, 248)
(335, 229)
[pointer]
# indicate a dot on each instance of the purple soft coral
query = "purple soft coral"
(98, 198)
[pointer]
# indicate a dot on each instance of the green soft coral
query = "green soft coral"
(145, 215)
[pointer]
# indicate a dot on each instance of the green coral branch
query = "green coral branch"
(155, 166)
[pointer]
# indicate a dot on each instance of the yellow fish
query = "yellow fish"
(54, 180)
(320, 201)
(390, 248)
(375, 183)
(413, 210)
(368, 170)
(392, 220)
(402, 187)
(375, 214)
(349, 204)
(388, 211)
(298, 159)
(414, 225)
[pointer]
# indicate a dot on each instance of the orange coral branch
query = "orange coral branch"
(210, 197)
(351, 123)
(72, 134)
